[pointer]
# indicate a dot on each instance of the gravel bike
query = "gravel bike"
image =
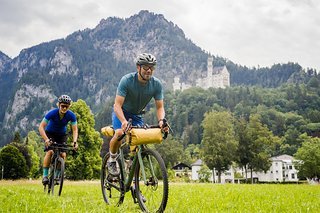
(142, 172)
(57, 166)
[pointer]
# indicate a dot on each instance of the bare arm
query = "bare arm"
(117, 107)
(75, 132)
(160, 111)
(42, 132)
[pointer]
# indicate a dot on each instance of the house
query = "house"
(226, 177)
(181, 169)
(281, 170)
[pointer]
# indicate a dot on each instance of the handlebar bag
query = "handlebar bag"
(107, 131)
(138, 136)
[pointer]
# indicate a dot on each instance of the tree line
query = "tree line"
(245, 125)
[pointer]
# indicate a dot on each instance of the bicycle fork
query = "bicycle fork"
(146, 182)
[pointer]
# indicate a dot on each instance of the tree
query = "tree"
(219, 143)
(243, 152)
(262, 145)
(204, 174)
(308, 156)
(14, 163)
(172, 152)
(86, 164)
(17, 138)
(35, 147)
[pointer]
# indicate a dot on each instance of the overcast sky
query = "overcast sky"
(247, 32)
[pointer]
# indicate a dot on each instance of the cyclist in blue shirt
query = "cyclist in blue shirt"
(134, 92)
(53, 127)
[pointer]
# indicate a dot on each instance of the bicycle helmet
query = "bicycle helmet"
(64, 99)
(146, 59)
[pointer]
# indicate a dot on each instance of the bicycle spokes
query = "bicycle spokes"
(152, 182)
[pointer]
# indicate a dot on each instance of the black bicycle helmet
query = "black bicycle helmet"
(64, 99)
(146, 59)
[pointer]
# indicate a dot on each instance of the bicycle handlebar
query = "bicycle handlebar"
(129, 126)
(61, 147)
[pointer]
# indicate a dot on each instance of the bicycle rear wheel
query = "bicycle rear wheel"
(112, 187)
(152, 193)
(57, 176)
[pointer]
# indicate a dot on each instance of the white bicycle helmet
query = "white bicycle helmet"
(64, 99)
(146, 59)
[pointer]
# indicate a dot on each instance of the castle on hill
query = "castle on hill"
(217, 77)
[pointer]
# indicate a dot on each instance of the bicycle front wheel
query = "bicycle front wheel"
(112, 186)
(151, 191)
(57, 176)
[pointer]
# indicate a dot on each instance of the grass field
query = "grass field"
(85, 196)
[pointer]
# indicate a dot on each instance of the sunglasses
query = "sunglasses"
(146, 67)
(64, 106)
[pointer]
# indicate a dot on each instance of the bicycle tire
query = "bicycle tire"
(61, 178)
(152, 196)
(112, 187)
(51, 172)
(59, 162)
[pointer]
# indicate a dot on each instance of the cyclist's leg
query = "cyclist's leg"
(47, 160)
(114, 146)
(46, 165)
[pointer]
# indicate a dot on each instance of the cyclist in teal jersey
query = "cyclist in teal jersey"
(134, 92)
(53, 127)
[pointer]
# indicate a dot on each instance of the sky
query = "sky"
(252, 33)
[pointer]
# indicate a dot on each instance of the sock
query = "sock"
(57, 173)
(112, 157)
(45, 171)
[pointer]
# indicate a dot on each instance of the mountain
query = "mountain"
(88, 64)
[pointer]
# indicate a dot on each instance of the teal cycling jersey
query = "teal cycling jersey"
(57, 125)
(138, 95)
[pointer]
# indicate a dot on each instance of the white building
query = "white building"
(226, 177)
(217, 77)
(281, 170)
(179, 86)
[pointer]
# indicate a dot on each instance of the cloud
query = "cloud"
(251, 33)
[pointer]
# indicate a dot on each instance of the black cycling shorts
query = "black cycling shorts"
(58, 138)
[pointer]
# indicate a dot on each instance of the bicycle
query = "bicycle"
(146, 169)
(57, 166)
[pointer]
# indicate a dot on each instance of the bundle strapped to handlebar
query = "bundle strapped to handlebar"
(139, 135)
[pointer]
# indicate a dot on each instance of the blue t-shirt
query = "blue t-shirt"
(57, 125)
(138, 95)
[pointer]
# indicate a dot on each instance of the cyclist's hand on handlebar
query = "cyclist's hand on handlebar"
(124, 126)
(164, 125)
(48, 142)
(75, 146)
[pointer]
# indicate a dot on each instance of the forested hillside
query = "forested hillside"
(288, 111)
(89, 63)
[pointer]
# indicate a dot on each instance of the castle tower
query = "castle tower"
(210, 67)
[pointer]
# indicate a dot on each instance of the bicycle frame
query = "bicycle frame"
(57, 149)
(128, 178)
(145, 175)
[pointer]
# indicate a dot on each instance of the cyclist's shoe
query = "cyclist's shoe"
(45, 180)
(112, 168)
(56, 181)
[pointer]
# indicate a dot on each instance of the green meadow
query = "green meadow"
(85, 196)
